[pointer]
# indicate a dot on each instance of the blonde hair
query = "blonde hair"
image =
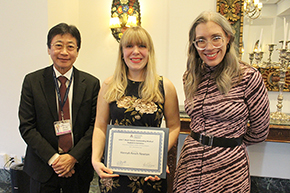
(149, 90)
(225, 71)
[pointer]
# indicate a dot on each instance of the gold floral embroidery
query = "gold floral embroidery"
(126, 102)
(107, 184)
(157, 186)
(140, 105)
(145, 107)
(133, 178)
(137, 184)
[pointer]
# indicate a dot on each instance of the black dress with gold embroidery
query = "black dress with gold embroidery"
(131, 110)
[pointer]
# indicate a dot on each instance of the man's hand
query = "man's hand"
(64, 165)
(69, 174)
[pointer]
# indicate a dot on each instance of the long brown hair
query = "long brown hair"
(225, 71)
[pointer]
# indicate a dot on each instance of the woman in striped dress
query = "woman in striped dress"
(223, 95)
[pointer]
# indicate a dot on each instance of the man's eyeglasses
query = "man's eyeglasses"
(217, 42)
(60, 46)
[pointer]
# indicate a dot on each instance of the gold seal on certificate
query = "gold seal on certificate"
(134, 150)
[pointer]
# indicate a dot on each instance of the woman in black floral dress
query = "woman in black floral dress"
(134, 96)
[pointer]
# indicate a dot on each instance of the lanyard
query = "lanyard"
(61, 104)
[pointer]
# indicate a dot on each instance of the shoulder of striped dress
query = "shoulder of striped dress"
(248, 71)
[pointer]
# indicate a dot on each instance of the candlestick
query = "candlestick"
(271, 49)
(251, 57)
(258, 57)
(286, 46)
(279, 117)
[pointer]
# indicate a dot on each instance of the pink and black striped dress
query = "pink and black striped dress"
(219, 169)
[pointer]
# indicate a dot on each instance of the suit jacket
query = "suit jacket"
(38, 112)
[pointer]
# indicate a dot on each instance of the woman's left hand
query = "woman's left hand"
(156, 178)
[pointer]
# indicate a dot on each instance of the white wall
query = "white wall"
(24, 26)
(22, 50)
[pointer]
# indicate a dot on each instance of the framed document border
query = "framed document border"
(138, 172)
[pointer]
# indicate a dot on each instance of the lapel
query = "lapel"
(78, 93)
(48, 89)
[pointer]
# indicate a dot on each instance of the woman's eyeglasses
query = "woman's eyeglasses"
(217, 42)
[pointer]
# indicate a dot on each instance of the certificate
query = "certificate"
(138, 151)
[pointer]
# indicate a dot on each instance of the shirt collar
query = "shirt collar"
(67, 74)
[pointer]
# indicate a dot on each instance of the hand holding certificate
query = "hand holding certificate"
(140, 151)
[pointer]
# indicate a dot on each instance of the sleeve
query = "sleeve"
(28, 122)
(256, 98)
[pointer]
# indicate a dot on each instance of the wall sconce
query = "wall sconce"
(124, 14)
(252, 8)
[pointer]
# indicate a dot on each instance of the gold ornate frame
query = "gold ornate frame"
(271, 77)
(233, 11)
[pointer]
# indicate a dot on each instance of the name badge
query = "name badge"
(62, 127)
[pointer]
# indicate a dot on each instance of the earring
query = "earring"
(228, 48)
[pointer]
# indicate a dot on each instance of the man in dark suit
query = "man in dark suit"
(46, 115)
